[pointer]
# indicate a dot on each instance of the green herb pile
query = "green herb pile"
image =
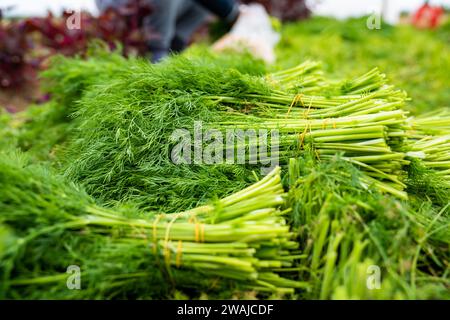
(430, 141)
(243, 237)
(347, 233)
(358, 209)
(123, 141)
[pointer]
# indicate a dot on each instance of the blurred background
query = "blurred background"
(408, 39)
(336, 8)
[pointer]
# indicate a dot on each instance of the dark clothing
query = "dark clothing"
(225, 9)
(174, 21)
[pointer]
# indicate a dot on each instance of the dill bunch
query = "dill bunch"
(45, 131)
(427, 184)
(347, 227)
(48, 224)
(121, 149)
(428, 146)
(123, 141)
(67, 79)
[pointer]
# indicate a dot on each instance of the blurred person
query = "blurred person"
(172, 22)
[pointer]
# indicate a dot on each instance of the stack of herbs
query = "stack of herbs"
(49, 224)
(119, 149)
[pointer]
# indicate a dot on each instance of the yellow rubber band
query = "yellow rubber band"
(302, 135)
(197, 233)
(192, 218)
(179, 251)
(300, 95)
(297, 98)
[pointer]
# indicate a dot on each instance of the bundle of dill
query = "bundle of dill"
(48, 224)
(66, 80)
(306, 77)
(348, 235)
(121, 148)
(46, 130)
(124, 123)
(361, 118)
(429, 141)
(124, 120)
